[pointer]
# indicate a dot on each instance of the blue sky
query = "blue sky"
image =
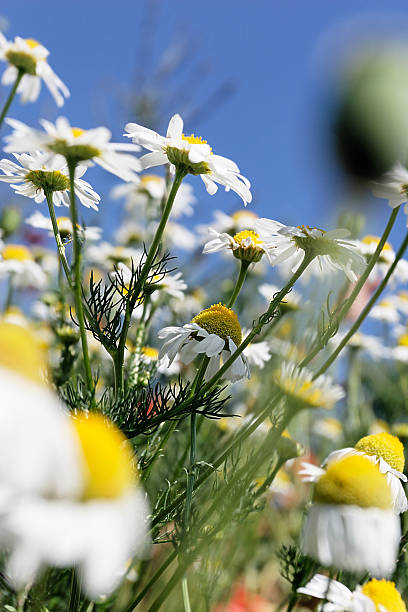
(268, 50)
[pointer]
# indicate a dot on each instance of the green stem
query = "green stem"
(262, 321)
(12, 93)
(60, 245)
(160, 447)
(120, 354)
(74, 596)
(10, 291)
(191, 468)
(240, 281)
(153, 579)
(186, 598)
(357, 288)
(366, 310)
(77, 278)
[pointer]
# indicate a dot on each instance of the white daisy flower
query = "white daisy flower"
(393, 187)
(384, 450)
(153, 187)
(176, 235)
(39, 221)
(401, 301)
(351, 524)
(130, 233)
(106, 254)
(214, 332)
(245, 245)
(385, 311)
(372, 596)
(18, 261)
(30, 56)
(329, 428)
(300, 388)
(37, 171)
(257, 353)
(191, 153)
(373, 346)
(237, 222)
(330, 249)
(172, 285)
(89, 146)
(400, 352)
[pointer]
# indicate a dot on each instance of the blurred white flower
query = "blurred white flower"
(39, 221)
(18, 261)
(237, 222)
(29, 55)
(385, 311)
(393, 187)
(86, 146)
(192, 153)
(300, 387)
(37, 170)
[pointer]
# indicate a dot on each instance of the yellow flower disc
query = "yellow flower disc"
(193, 139)
(220, 320)
(384, 593)
(108, 457)
(150, 352)
(356, 481)
(21, 351)
(384, 445)
(245, 234)
(18, 252)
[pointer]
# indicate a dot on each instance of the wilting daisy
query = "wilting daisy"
(330, 250)
(190, 153)
(90, 146)
(384, 450)
(302, 391)
(37, 171)
(375, 595)
(393, 187)
(351, 524)
(18, 262)
(245, 245)
(39, 221)
(151, 190)
(214, 332)
(30, 57)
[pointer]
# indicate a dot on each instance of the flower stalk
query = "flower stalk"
(11, 95)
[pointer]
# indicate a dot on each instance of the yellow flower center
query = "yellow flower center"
(149, 351)
(150, 178)
(355, 481)
(244, 215)
(32, 43)
(309, 394)
(63, 220)
(369, 239)
(220, 320)
(403, 340)
(108, 457)
(384, 445)
(306, 229)
(21, 351)
(386, 304)
(17, 251)
(193, 139)
(383, 593)
(244, 235)
(403, 295)
(76, 132)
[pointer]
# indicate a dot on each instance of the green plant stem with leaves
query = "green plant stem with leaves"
(77, 278)
(60, 246)
(11, 95)
(152, 254)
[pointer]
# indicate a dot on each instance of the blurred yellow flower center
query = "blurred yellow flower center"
(384, 445)
(386, 304)
(108, 457)
(76, 132)
(369, 239)
(220, 320)
(149, 351)
(63, 221)
(150, 178)
(32, 43)
(355, 481)
(17, 251)
(403, 295)
(306, 392)
(244, 215)
(21, 351)
(242, 237)
(306, 229)
(403, 340)
(193, 139)
(383, 593)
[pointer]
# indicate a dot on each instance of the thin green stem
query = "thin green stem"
(77, 278)
(11, 95)
(60, 245)
(262, 321)
(153, 579)
(120, 354)
(74, 596)
(240, 281)
(357, 288)
(186, 597)
(191, 468)
(10, 291)
(366, 310)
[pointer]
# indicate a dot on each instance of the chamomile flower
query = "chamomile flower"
(384, 450)
(18, 261)
(87, 146)
(39, 221)
(385, 311)
(400, 352)
(245, 245)
(302, 391)
(152, 189)
(238, 221)
(190, 153)
(30, 57)
(215, 332)
(330, 250)
(257, 353)
(393, 187)
(36, 171)
(373, 596)
(351, 524)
